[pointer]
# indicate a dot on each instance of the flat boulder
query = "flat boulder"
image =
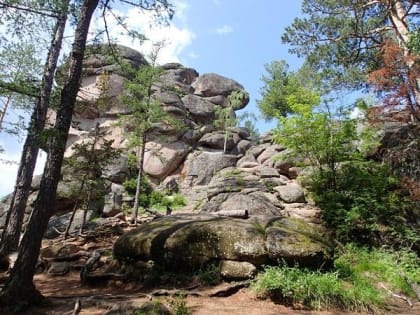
(191, 241)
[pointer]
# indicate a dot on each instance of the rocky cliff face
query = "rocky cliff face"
(253, 174)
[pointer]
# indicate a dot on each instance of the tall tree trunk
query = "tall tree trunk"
(139, 181)
(19, 288)
(14, 219)
(398, 17)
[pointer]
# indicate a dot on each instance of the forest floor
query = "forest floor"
(65, 292)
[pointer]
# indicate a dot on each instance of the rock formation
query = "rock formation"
(253, 175)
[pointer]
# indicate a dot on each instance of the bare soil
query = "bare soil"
(63, 292)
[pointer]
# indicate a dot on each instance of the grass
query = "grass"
(314, 289)
(357, 282)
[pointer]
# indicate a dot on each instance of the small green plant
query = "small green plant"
(260, 228)
(179, 305)
(209, 275)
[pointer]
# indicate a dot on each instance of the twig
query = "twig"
(402, 297)
(77, 307)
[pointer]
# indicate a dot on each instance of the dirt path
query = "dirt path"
(63, 292)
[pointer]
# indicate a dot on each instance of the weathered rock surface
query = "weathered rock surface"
(237, 270)
(179, 242)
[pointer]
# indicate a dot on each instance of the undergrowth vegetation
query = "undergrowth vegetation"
(150, 198)
(360, 280)
(365, 206)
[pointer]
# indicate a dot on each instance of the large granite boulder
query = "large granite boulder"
(200, 167)
(161, 159)
(200, 109)
(211, 84)
(188, 242)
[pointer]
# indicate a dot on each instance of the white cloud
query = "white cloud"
(225, 29)
(175, 38)
(192, 55)
(9, 160)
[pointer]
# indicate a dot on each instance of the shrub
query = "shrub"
(364, 206)
(314, 289)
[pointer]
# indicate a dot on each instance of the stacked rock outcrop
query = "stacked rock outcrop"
(252, 175)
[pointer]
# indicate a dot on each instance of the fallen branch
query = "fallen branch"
(77, 307)
(241, 214)
(155, 213)
(402, 297)
(230, 289)
(110, 296)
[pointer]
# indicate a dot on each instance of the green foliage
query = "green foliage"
(225, 116)
(393, 269)
(363, 206)
(209, 275)
(150, 198)
(179, 306)
(315, 290)
(147, 194)
(320, 137)
(248, 121)
(341, 39)
(361, 280)
(414, 43)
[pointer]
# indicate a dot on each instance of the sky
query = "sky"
(232, 38)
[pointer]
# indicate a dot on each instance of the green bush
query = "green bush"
(314, 289)
(364, 206)
(361, 280)
(394, 269)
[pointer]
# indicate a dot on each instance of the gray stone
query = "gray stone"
(162, 159)
(59, 268)
(243, 146)
(255, 202)
(59, 223)
(201, 110)
(200, 167)
(211, 84)
(237, 270)
(117, 171)
(216, 140)
(267, 172)
(171, 103)
(291, 192)
(113, 200)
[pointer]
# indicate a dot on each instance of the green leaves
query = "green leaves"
(341, 39)
(287, 92)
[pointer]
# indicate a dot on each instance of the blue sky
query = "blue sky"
(228, 37)
(237, 38)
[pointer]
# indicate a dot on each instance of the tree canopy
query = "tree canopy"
(344, 40)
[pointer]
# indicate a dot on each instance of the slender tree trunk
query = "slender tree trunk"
(139, 181)
(82, 185)
(14, 219)
(19, 288)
